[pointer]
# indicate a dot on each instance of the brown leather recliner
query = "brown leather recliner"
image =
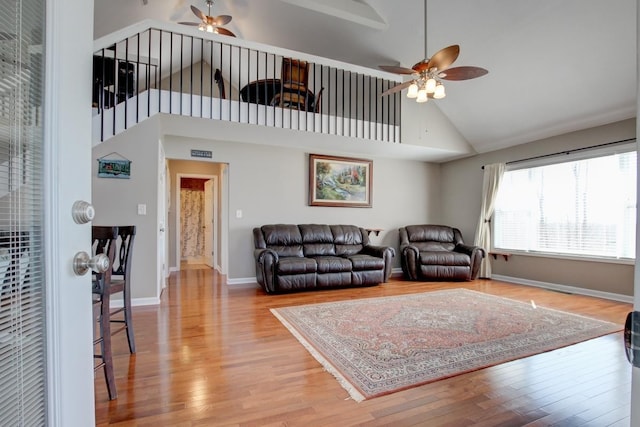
(437, 252)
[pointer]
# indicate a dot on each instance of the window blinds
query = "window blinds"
(22, 309)
(583, 207)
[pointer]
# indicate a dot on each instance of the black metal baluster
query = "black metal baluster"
(126, 82)
(171, 73)
(115, 82)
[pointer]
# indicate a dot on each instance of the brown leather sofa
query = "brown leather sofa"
(437, 252)
(312, 256)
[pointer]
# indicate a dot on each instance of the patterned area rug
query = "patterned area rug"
(378, 346)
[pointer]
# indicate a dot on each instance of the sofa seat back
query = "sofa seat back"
(433, 237)
(283, 239)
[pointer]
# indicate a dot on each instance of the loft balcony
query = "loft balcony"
(152, 67)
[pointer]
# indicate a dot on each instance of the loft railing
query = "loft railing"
(155, 68)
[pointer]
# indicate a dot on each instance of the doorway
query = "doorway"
(196, 221)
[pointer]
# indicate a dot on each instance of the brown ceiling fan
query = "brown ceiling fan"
(210, 24)
(429, 73)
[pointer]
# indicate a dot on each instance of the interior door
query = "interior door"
(208, 223)
(66, 179)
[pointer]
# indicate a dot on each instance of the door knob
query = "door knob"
(82, 212)
(82, 263)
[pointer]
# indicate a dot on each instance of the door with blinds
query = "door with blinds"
(22, 285)
(46, 366)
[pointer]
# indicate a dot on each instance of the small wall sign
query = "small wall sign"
(110, 167)
(202, 154)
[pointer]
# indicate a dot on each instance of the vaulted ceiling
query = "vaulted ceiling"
(554, 66)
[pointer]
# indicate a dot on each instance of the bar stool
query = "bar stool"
(121, 282)
(104, 241)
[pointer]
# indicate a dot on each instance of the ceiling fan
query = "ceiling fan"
(429, 73)
(210, 24)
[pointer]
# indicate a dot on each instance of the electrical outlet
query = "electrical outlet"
(142, 209)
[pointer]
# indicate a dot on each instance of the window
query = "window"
(584, 207)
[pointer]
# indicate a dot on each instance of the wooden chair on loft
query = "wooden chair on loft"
(294, 88)
(104, 241)
(120, 282)
(220, 82)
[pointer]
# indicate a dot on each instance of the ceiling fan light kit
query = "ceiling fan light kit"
(429, 73)
(209, 23)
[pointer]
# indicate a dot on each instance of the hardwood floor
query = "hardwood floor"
(211, 355)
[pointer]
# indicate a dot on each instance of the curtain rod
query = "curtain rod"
(575, 150)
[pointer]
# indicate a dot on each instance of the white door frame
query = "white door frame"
(179, 176)
(211, 258)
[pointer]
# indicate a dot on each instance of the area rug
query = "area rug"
(377, 346)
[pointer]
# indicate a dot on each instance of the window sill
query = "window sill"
(623, 261)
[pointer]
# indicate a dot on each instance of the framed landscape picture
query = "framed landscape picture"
(340, 181)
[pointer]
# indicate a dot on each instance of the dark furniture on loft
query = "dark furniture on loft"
(113, 81)
(437, 252)
(294, 74)
(318, 256)
(266, 92)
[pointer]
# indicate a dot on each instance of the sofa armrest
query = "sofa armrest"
(386, 253)
(476, 253)
(266, 261)
(409, 257)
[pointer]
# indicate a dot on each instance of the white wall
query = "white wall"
(461, 194)
(116, 202)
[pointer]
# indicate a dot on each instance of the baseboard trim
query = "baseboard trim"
(396, 272)
(173, 269)
(243, 282)
(135, 302)
(564, 288)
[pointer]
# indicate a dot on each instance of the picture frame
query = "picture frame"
(340, 181)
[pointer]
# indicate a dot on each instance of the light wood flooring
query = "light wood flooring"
(213, 355)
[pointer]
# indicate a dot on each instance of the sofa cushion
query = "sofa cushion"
(348, 239)
(444, 258)
(296, 265)
(332, 264)
(436, 233)
(317, 239)
(363, 262)
(284, 239)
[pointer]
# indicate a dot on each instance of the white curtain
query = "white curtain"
(490, 184)
(191, 223)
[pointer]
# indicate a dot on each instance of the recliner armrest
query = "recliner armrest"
(469, 249)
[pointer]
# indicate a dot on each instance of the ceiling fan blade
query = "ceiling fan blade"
(221, 19)
(397, 70)
(224, 31)
(443, 58)
(397, 88)
(463, 73)
(198, 13)
(195, 24)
